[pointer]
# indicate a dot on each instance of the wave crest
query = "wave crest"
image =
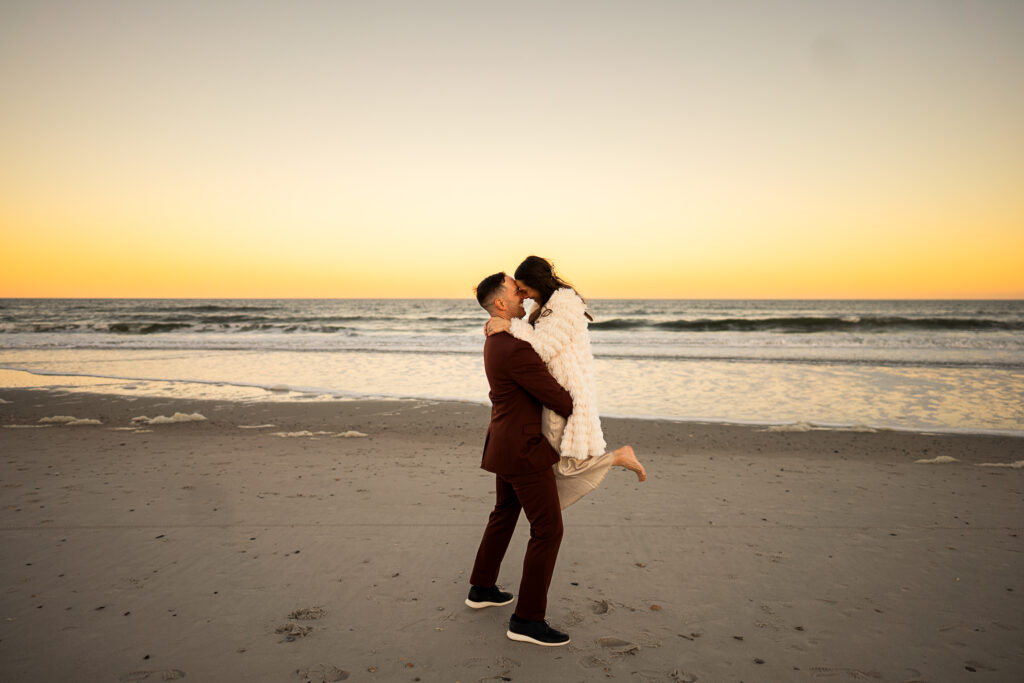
(809, 325)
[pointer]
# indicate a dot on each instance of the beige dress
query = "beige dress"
(574, 477)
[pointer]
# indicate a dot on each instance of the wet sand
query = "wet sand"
(208, 551)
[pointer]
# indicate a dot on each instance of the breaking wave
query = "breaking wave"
(806, 325)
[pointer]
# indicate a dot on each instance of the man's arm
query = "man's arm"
(529, 371)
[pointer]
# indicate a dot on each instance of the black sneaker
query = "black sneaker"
(488, 597)
(536, 632)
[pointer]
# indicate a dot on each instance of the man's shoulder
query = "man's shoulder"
(503, 345)
(504, 341)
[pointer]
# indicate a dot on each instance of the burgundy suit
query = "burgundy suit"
(521, 459)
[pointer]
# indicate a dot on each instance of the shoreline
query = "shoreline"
(275, 394)
(300, 411)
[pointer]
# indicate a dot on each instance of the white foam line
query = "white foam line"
(333, 393)
(349, 434)
(56, 373)
(1018, 465)
(298, 434)
(932, 431)
(173, 419)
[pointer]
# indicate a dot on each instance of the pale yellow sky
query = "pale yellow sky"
(652, 149)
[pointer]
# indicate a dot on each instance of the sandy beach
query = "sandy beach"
(272, 542)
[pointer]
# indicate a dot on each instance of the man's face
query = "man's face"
(513, 298)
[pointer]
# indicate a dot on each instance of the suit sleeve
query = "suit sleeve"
(529, 372)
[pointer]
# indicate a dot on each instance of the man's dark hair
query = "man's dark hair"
(489, 288)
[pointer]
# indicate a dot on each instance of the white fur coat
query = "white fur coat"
(561, 339)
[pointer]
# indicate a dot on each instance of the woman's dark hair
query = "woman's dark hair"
(539, 273)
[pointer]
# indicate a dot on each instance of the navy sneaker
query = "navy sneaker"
(488, 597)
(536, 632)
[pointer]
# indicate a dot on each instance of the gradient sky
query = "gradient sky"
(652, 149)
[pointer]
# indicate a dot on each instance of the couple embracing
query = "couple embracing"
(544, 442)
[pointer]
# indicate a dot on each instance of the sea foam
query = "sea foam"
(349, 434)
(796, 427)
(938, 459)
(69, 421)
(297, 434)
(163, 419)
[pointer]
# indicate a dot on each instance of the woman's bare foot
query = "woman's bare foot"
(625, 457)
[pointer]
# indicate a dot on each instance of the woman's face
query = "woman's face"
(528, 291)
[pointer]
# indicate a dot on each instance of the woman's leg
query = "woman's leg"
(576, 478)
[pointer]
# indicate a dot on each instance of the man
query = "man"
(521, 459)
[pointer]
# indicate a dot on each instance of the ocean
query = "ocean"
(943, 366)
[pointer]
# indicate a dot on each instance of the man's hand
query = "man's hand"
(496, 325)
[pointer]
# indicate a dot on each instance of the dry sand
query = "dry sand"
(202, 550)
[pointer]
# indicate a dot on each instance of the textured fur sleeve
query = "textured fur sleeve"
(528, 370)
(558, 330)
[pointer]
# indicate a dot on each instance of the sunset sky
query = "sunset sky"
(374, 149)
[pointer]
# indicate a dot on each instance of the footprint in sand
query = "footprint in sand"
(600, 607)
(857, 674)
(322, 673)
(594, 662)
(308, 613)
(166, 675)
(506, 665)
(612, 641)
(675, 676)
(682, 676)
(573, 618)
(293, 631)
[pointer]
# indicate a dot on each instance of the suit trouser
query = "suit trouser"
(536, 494)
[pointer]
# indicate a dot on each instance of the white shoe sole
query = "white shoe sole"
(481, 605)
(527, 639)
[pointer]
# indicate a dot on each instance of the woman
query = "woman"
(557, 330)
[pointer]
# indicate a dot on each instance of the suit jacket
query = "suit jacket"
(520, 385)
